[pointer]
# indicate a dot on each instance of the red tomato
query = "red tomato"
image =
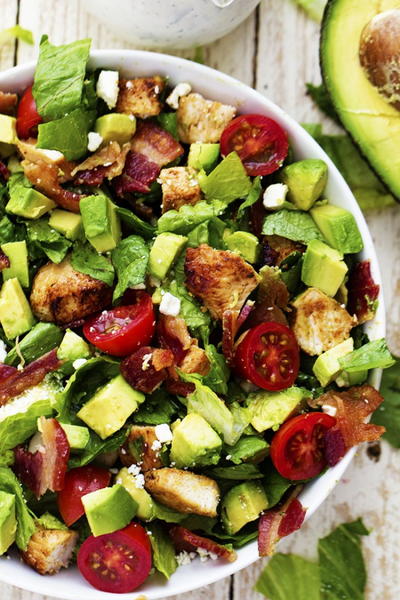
(122, 330)
(298, 448)
(268, 356)
(79, 482)
(28, 117)
(116, 562)
(261, 143)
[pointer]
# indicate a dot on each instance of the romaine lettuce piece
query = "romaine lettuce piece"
(85, 259)
(42, 338)
(295, 225)
(68, 135)
(288, 576)
(40, 235)
(25, 522)
(373, 355)
(135, 224)
(182, 221)
(16, 33)
(163, 550)
(130, 259)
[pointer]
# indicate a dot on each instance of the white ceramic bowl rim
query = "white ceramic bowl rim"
(215, 85)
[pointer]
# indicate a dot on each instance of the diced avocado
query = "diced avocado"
(306, 180)
(345, 379)
(73, 347)
(164, 251)
(249, 448)
(109, 509)
(339, 228)
(203, 156)
(42, 338)
(145, 506)
(100, 222)
(8, 521)
(195, 443)
(323, 267)
(107, 411)
(29, 203)
(245, 243)
(17, 254)
(270, 409)
(67, 223)
(326, 368)
(15, 312)
(78, 437)
(115, 127)
(8, 132)
(242, 504)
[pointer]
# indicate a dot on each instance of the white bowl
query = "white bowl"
(69, 584)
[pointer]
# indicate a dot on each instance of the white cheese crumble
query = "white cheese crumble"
(163, 433)
(134, 469)
(275, 195)
(139, 481)
(138, 476)
(182, 89)
(170, 305)
(3, 351)
(329, 410)
(205, 555)
(156, 445)
(107, 87)
(77, 364)
(94, 141)
(146, 361)
(185, 558)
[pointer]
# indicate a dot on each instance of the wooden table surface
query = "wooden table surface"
(276, 52)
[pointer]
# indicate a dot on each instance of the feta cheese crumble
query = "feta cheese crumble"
(329, 410)
(180, 90)
(77, 364)
(156, 445)
(170, 305)
(3, 351)
(107, 87)
(185, 558)
(146, 361)
(94, 141)
(275, 195)
(163, 433)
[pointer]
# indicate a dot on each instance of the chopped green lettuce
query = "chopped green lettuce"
(68, 135)
(16, 33)
(169, 122)
(130, 259)
(182, 221)
(25, 521)
(158, 408)
(42, 338)
(59, 77)
(7, 230)
(388, 414)
(275, 486)
(237, 472)
(85, 259)
(163, 550)
(227, 182)
(134, 223)
(289, 577)
(218, 375)
(247, 449)
(98, 446)
(49, 521)
(198, 321)
(47, 240)
(294, 225)
(373, 355)
(252, 196)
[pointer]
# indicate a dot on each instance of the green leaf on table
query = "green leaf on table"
(85, 259)
(25, 522)
(320, 95)
(294, 225)
(227, 182)
(43, 237)
(388, 414)
(163, 549)
(289, 577)
(16, 33)
(314, 8)
(130, 259)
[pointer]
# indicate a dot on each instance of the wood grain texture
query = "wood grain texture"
(277, 52)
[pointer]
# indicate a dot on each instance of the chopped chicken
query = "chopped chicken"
(184, 491)
(49, 550)
(141, 96)
(221, 279)
(47, 178)
(201, 120)
(179, 186)
(29, 152)
(195, 361)
(112, 157)
(140, 448)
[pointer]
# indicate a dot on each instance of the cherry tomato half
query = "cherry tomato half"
(122, 330)
(268, 356)
(116, 562)
(78, 482)
(297, 449)
(28, 117)
(261, 143)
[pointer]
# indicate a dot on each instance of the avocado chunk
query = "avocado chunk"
(323, 268)
(339, 228)
(270, 409)
(327, 367)
(371, 121)
(115, 127)
(67, 223)
(146, 508)
(195, 443)
(164, 251)
(15, 312)
(78, 437)
(100, 222)
(8, 134)
(27, 202)
(17, 254)
(242, 504)
(73, 347)
(245, 243)
(109, 509)
(306, 180)
(203, 156)
(8, 521)
(107, 411)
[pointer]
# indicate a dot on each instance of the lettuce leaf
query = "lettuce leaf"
(135, 223)
(185, 219)
(275, 486)
(68, 134)
(25, 522)
(7, 230)
(252, 196)
(295, 225)
(47, 240)
(59, 77)
(42, 338)
(247, 449)
(163, 550)
(289, 577)
(388, 414)
(130, 259)
(199, 322)
(373, 355)
(237, 472)
(227, 182)
(85, 259)
(158, 408)
(98, 446)
(16, 33)
(217, 377)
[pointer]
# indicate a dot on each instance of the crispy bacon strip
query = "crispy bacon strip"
(4, 172)
(232, 320)
(30, 376)
(7, 102)
(139, 172)
(107, 163)
(4, 261)
(45, 177)
(146, 368)
(363, 292)
(280, 522)
(155, 143)
(185, 540)
(6, 371)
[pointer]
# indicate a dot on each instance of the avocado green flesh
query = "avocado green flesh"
(372, 122)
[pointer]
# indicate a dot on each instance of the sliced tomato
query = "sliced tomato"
(122, 330)
(268, 356)
(78, 482)
(116, 562)
(28, 117)
(261, 143)
(298, 448)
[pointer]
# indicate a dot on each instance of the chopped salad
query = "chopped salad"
(181, 316)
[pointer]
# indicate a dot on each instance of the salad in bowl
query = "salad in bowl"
(182, 320)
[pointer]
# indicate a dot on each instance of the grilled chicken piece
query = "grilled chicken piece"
(141, 96)
(29, 152)
(112, 157)
(179, 186)
(221, 279)
(201, 120)
(47, 178)
(195, 361)
(184, 491)
(49, 550)
(140, 449)
(63, 295)
(320, 323)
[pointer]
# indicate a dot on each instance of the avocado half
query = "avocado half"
(371, 121)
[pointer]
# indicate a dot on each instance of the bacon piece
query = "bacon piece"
(138, 174)
(146, 368)
(172, 333)
(185, 540)
(44, 469)
(7, 102)
(100, 158)
(93, 177)
(232, 320)
(45, 177)
(179, 388)
(280, 522)
(4, 172)
(363, 292)
(4, 261)
(108, 162)
(155, 143)
(30, 376)
(6, 371)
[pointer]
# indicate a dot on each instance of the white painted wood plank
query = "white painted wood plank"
(8, 19)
